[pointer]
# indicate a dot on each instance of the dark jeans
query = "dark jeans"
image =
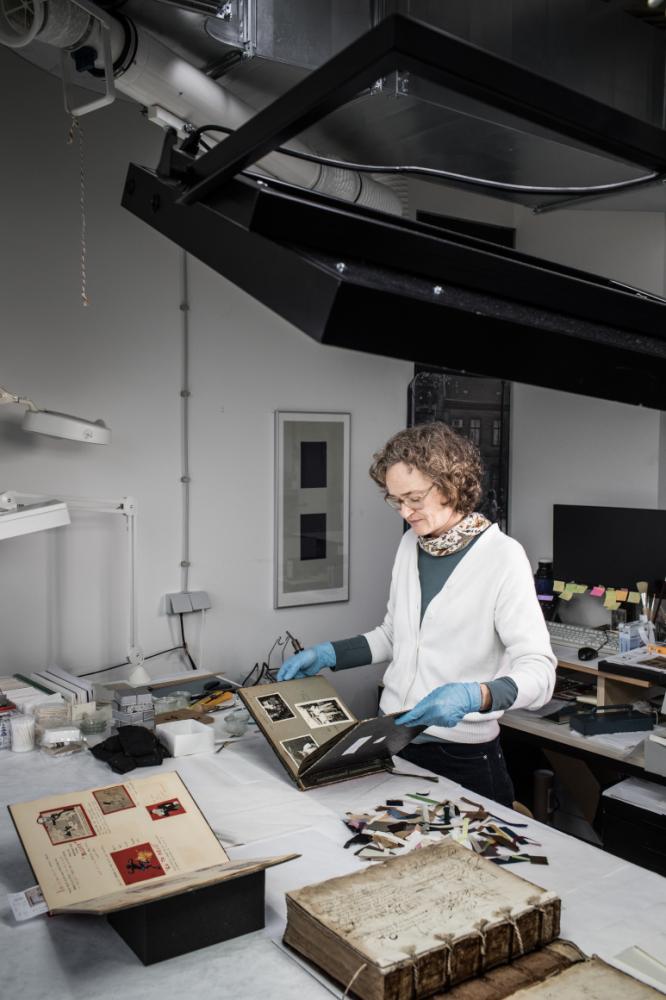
(479, 767)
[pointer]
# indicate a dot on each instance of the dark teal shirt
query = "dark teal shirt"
(434, 571)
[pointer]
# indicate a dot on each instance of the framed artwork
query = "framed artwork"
(311, 508)
(478, 408)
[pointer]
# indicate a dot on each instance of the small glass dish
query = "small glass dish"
(236, 722)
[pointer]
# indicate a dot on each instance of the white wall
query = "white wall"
(568, 448)
(63, 593)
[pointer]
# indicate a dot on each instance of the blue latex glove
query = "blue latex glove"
(308, 662)
(445, 706)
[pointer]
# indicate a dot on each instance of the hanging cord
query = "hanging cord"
(184, 640)
(76, 127)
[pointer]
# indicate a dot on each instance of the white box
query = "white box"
(186, 736)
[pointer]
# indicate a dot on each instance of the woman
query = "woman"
(463, 632)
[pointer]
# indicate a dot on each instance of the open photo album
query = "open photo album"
(315, 734)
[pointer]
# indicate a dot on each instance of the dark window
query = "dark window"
(313, 536)
(313, 464)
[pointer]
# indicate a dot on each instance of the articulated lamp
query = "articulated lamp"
(61, 425)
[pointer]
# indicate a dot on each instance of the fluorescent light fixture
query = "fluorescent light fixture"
(61, 425)
(23, 520)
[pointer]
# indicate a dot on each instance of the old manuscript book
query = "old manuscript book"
(419, 923)
(317, 737)
(116, 846)
(591, 980)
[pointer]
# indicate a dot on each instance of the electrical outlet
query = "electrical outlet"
(185, 601)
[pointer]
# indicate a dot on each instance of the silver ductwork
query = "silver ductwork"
(149, 72)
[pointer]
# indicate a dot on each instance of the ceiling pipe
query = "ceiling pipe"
(148, 72)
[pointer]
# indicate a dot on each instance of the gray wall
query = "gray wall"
(567, 448)
(64, 593)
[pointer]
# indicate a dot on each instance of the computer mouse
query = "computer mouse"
(587, 653)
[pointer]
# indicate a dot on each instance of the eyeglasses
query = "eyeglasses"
(414, 502)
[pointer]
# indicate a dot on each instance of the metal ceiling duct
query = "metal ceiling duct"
(403, 289)
(149, 72)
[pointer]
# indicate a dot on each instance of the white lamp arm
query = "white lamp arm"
(9, 397)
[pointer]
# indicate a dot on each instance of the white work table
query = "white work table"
(608, 904)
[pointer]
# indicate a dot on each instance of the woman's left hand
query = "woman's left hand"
(445, 706)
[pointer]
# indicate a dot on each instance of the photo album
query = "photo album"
(317, 737)
(108, 848)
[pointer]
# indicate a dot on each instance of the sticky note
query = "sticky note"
(581, 588)
(597, 591)
(634, 597)
(621, 595)
(558, 586)
(612, 605)
(571, 587)
(566, 595)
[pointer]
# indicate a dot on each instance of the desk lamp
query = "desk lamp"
(61, 425)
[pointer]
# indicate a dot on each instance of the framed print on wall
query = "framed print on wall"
(311, 508)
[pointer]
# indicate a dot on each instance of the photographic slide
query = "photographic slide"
(113, 799)
(323, 712)
(276, 707)
(66, 824)
(299, 747)
(136, 864)
(162, 810)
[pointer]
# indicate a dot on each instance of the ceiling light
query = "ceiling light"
(61, 425)
(654, 3)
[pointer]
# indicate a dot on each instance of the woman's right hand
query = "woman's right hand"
(308, 662)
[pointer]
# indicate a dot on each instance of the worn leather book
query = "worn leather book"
(317, 737)
(420, 923)
(591, 980)
(504, 981)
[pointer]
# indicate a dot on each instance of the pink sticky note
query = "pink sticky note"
(597, 591)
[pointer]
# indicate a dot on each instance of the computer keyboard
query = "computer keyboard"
(562, 634)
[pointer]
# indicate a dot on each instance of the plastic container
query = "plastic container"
(185, 736)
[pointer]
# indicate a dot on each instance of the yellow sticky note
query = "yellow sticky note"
(634, 597)
(610, 601)
(558, 586)
(621, 595)
(581, 588)
(566, 595)
(612, 605)
(571, 587)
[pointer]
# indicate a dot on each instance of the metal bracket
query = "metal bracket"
(110, 91)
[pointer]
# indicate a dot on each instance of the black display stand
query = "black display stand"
(178, 924)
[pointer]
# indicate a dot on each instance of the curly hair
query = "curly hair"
(451, 461)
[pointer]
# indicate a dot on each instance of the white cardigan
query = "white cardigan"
(484, 623)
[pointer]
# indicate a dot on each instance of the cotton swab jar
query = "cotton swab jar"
(23, 733)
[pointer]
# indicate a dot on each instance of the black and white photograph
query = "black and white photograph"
(324, 712)
(299, 747)
(276, 708)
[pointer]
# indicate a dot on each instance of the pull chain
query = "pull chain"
(76, 127)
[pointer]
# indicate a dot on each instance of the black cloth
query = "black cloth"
(479, 767)
(132, 746)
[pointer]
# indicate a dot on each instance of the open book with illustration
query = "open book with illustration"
(107, 848)
(317, 737)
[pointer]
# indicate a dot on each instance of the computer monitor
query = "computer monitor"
(610, 546)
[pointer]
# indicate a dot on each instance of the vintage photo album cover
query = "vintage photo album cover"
(316, 735)
(121, 844)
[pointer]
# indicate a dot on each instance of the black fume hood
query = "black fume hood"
(356, 278)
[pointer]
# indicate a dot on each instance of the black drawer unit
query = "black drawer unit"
(634, 834)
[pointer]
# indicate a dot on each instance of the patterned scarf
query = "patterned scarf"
(455, 538)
